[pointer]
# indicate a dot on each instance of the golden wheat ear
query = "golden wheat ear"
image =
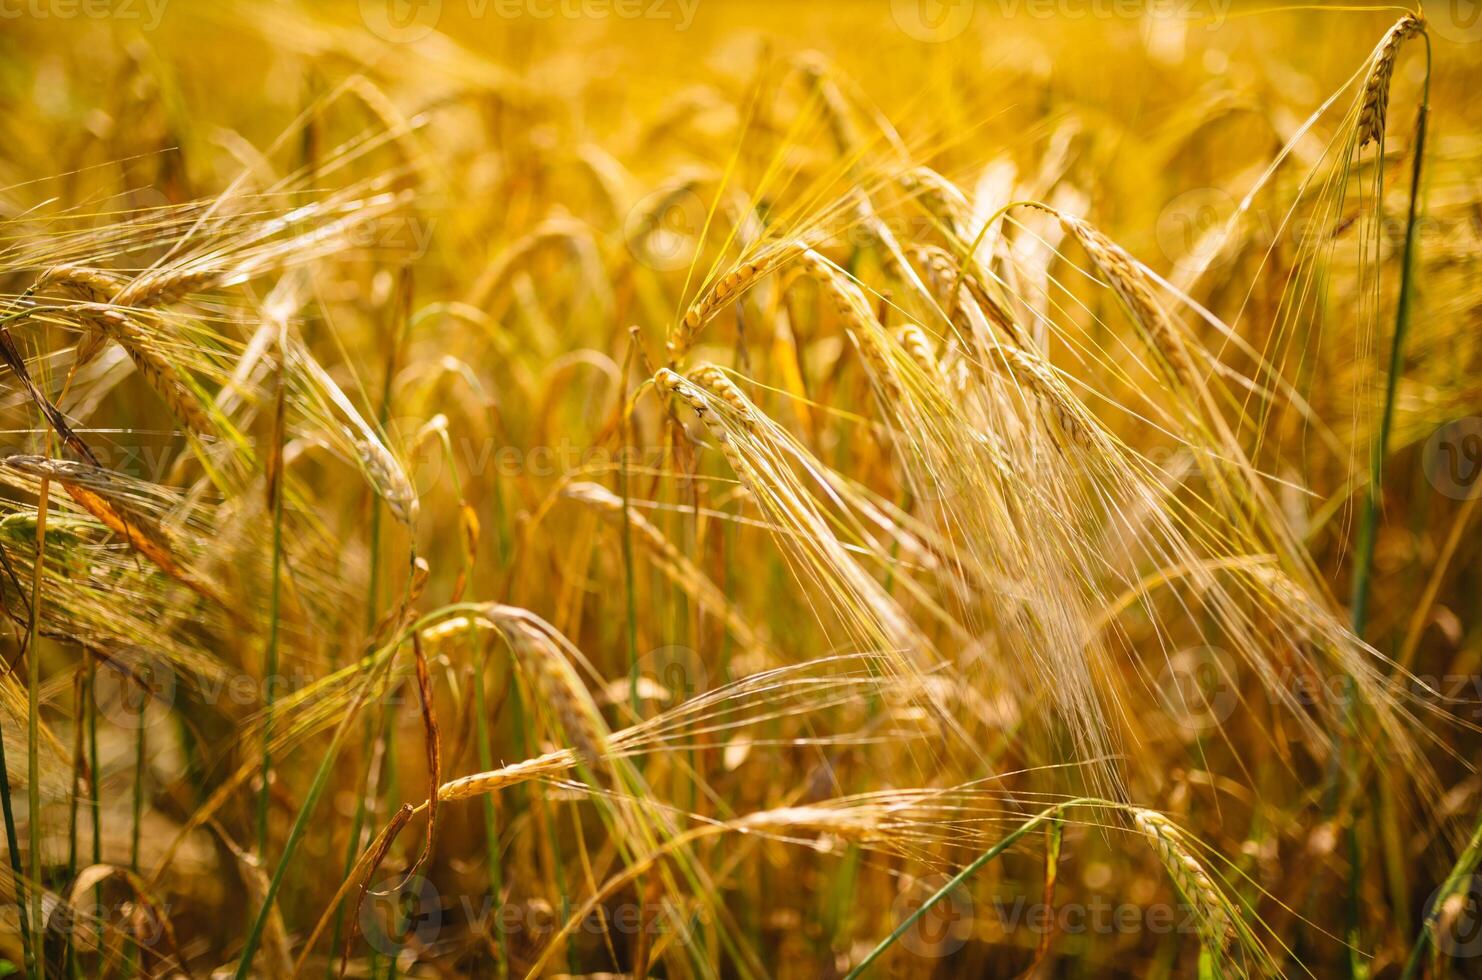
(1374, 102)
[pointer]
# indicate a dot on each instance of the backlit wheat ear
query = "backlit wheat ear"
(857, 825)
(941, 198)
(692, 395)
(108, 500)
(389, 479)
(674, 383)
(854, 309)
(352, 434)
(1210, 906)
(943, 271)
(920, 349)
(102, 324)
(163, 288)
(1131, 283)
(836, 108)
(849, 300)
(539, 648)
(157, 372)
(762, 457)
(727, 288)
(1375, 106)
(1070, 416)
(95, 285)
(482, 783)
(718, 383)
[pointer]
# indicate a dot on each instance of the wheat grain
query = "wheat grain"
(941, 198)
(95, 285)
(109, 322)
(481, 783)
(921, 350)
(167, 286)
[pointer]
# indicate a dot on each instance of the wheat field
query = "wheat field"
(701, 488)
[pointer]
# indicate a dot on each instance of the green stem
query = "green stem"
(357, 830)
(1368, 527)
(1464, 867)
(1373, 496)
(79, 696)
(138, 786)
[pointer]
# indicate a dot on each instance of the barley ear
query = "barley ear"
(1375, 105)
